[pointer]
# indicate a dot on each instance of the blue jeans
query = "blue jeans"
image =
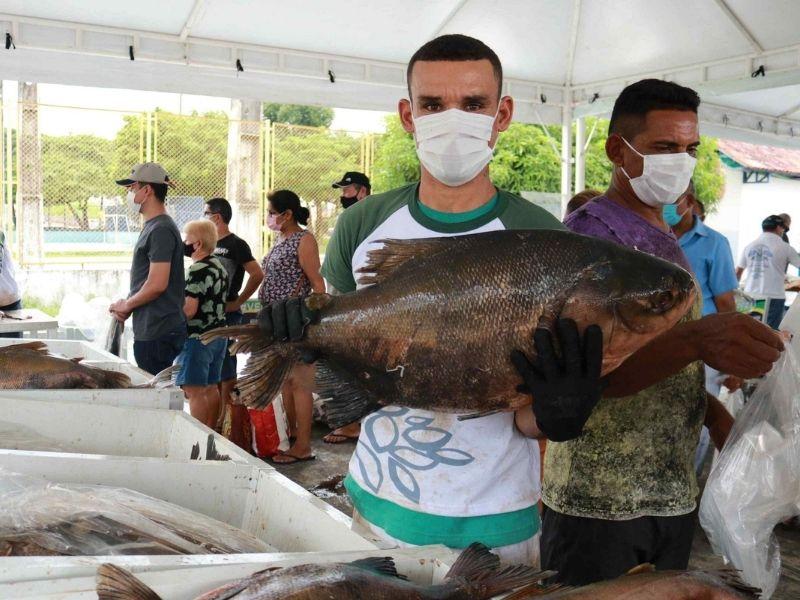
(156, 355)
(13, 306)
(774, 311)
(201, 364)
(229, 364)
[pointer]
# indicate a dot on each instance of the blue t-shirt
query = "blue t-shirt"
(709, 253)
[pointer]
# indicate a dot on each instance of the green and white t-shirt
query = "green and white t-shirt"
(423, 476)
(207, 280)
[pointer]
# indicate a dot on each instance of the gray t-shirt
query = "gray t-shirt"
(160, 241)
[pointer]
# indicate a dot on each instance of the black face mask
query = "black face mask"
(348, 202)
(188, 250)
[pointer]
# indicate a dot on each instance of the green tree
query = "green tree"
(528, 159)
(296, 114)
(192, 148)
(75, 168)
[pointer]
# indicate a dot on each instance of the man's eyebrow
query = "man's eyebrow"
(424, 99)
(476, 98)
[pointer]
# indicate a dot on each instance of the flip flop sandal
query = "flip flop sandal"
(295, 459)
(345, 439)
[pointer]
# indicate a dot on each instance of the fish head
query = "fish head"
(633, 297)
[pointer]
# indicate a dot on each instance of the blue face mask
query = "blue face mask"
(671, 214)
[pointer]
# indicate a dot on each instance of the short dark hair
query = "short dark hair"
(159, 190)
(221, 207)
(772, 222)
(455, 47)
(580, 199)
(638, 99)
(283, 200)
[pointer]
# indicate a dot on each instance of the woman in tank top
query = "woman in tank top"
(291, 268)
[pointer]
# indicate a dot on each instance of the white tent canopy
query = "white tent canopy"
(563, 59)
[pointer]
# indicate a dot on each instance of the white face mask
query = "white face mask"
(664, 177)
(132, 206)
(453, 145)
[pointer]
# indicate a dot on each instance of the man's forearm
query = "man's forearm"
(662, 357)
(248, 291)
(145, 295)
(725, 302)
(718, 420)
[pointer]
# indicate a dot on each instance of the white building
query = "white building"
(759, 181)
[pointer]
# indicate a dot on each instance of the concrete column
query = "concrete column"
(566, 151)
(580, 155)
(30, 204)
(244, 176)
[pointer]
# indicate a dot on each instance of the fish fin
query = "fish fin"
(195, 453)
(535, 589)
(248, 338)
(110, 379)
(384, 261)
(264, 374)
(162, 379)
(478, 415)
(732, 578)
(115, 583)
(344, 399)
(642, 568)
(383, 565)
(211, 450)
(481, 570)
(76, 360)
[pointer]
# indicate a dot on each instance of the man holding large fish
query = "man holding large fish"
(428, 326)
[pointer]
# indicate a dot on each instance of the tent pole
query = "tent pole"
(580, 154)
(566, 150)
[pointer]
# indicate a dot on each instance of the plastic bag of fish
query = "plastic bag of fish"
(756, 482)
(39, 518)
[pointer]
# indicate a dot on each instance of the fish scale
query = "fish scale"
(437, 327)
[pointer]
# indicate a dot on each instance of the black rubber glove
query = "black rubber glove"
(286, 321)
(566, 390)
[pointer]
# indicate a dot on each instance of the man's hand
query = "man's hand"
(232, 306)
(286, 321)
(736, 344)
(564, 391)
(119, 310)
(733, 383)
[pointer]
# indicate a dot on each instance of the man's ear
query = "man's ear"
(614, 149)
(406, 115)
(505, 113)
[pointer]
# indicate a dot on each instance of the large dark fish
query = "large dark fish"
(644, 583)
(437, 328)
(114, 337)
(30, 366)
(477, 574)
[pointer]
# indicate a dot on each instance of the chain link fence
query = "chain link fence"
(60, 202)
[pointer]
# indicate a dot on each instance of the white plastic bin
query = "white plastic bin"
(259, 501)
(109, 430)
(68, 348)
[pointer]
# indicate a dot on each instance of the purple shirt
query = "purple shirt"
(604, 218)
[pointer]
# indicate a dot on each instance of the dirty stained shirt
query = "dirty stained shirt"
(635, 457)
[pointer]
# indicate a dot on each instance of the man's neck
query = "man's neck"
(463, 198)
(683, 227)
(223, 231)
(623, 195)
(156, 210)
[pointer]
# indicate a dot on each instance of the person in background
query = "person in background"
(235, 255)
(624, 493)
(157, 279)
(355, 186)
(9, 290)
(710, 257)
(699, 209)
(787, 220)
(765, 260)
(206, 292)
(580, 199)
(291, 270)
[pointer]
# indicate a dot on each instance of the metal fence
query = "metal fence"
(59, 164)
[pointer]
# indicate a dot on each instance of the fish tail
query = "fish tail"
(165, 377)
(481, 570)
(248, 338)
(115, 583)
(111, 379)
(343, 401)
(264, 375)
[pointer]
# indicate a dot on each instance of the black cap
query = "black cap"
(771, 222)
(352, 177)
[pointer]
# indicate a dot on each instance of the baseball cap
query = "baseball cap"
(772, 221)
(352, 177)
(148, 172)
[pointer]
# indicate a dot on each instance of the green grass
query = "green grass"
(49, 308)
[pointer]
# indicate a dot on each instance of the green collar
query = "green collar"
(468, 221)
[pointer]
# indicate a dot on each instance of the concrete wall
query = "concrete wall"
(744, 206)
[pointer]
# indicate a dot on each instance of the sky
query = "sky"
(62, 114)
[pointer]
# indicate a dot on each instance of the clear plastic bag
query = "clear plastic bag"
(755, 484)
(39, 518)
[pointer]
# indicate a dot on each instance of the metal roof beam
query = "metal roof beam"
(573, 40)
(191, 21)
(726, 10)
(449, 17)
